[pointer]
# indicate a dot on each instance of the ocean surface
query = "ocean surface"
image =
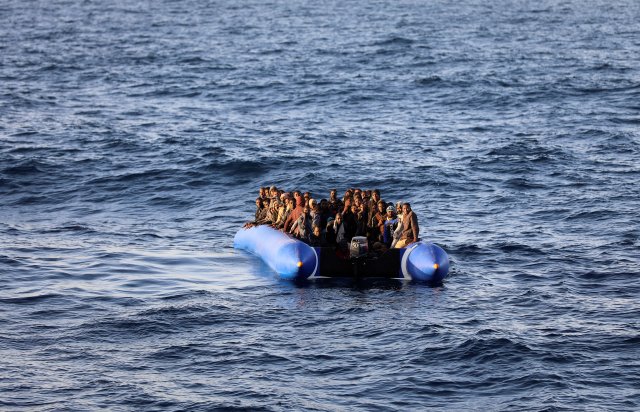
(134, 136)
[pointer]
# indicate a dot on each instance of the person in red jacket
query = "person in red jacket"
(295, 213)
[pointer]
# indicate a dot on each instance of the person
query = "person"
(301, 228)
(272, 213)
(398, 231)
(296, 212)
(314, 211)
(325, 213)
(357, 201)
(347, 201)
(410, 228)
(283, 211)
(260, 213)
(350, 223)
(362, 224)
(376, 224)
(375, 198)
(399, 209)
(366, 199)
(390, 224)
(342, 237)
(259, 204)
(317, 239)
(330, 232)
(335, 205)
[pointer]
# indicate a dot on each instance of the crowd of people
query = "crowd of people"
(334, 222)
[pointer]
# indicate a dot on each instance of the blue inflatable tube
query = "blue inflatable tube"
(295, 260)
(424, 261)
(289, 257)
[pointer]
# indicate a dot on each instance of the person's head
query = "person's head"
(375, 195)
(313, 203)
(259, 202)
(306, 210)
(356, 192)
(324, 204)
(307, 195)
(338, 218)
(391, 211)
(263, 192)
(381, 206)
(333, 194)
(316, 230)
(273, 191)
(399, 207)
(357, 201)
(406, 208)
(297, 196)
(330, 221)
(354, 208)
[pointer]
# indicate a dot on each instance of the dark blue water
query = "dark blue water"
(134, 136)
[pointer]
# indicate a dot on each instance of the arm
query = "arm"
(398, 232)
(414, 227)
(288, 222)
(294, 226)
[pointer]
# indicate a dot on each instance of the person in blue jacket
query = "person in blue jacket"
(390, 225)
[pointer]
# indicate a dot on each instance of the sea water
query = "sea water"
(134, 136)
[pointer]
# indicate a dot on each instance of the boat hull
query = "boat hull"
(294, 260)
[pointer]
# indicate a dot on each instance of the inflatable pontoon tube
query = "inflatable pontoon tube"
(424, 261)
(295, 260)
(290, 258)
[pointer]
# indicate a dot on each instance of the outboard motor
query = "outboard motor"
(359, 247)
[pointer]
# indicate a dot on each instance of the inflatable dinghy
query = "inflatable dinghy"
(295, 260)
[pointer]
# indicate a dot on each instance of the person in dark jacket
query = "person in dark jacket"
(330, 234)
(390, 225)
(376, 224)
(349, 222)
(342, 235)
(317, 238)
(261, 213)
(335, 204)
(362, 223)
